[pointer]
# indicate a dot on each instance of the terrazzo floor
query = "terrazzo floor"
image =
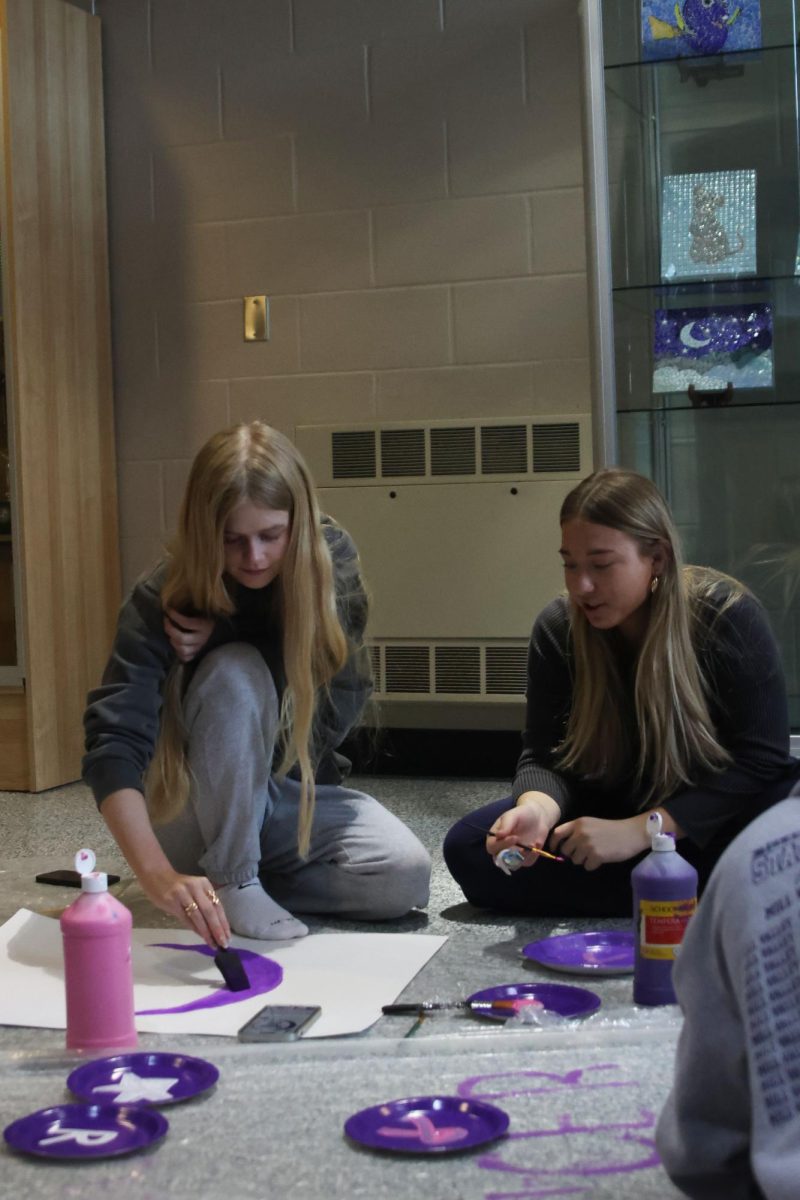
(583, 1097)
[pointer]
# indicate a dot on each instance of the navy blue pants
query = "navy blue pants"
(547, 889)
(553, 889)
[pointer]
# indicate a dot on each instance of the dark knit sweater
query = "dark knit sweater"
(747, 702)
(122, 718)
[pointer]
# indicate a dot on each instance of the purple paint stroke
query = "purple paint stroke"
(578, 1190)
(490, 1162)
(264, 975)
(647, 1122)
(541, 1181)
(467, 1088)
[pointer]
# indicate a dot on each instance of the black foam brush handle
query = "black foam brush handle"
(232, 969)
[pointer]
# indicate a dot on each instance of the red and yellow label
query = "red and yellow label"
(662, 924)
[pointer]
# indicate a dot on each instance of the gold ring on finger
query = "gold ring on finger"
(190, 908)
(213, 897)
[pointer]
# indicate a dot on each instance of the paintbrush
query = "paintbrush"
(410, 1009)
(522, 846)
(231, 968)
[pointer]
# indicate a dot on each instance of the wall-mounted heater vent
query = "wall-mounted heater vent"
(506, 670)
(556, 447)
(453, 451)
(353, 454)
(408, 669)
(458, 670)
(474, 671)
(402, 452)
(456, 524)
(504, 450)
(485, 451)
(375, 663)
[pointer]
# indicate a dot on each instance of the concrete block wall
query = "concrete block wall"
(403, 179)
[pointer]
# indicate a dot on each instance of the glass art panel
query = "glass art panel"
(708, 225)
(712, 347)
(699, 27)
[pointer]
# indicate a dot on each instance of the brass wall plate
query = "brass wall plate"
(256, 319)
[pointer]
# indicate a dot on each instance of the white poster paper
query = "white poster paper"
(350, 975)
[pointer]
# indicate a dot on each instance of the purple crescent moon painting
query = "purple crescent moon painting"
(264, 975)
(711, 347)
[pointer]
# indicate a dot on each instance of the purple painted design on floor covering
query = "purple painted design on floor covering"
(264, 975)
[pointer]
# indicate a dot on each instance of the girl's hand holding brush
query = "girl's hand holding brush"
(525, 828)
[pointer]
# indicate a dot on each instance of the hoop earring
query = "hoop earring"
(654, 585)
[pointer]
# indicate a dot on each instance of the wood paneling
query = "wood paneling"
(58, 344)
(8, 641)
(14, 741)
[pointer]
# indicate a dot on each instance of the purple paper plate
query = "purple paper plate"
(610, 952)
(142, 1079)
(427, 1125)
(560, 998)
(82, 1131)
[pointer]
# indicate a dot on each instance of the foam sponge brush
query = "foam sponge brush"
(232, 969)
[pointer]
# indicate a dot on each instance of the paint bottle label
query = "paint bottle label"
(662, 924)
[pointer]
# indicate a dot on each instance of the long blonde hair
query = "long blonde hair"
(254, 463)
(677, 737)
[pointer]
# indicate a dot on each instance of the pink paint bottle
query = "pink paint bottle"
(664, 899)
(98, 974)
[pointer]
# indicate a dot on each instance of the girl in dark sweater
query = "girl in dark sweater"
(651, 686)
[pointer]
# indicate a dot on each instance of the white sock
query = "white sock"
(254, 914)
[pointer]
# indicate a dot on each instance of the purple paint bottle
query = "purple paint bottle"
(664, 898)
(98, 973)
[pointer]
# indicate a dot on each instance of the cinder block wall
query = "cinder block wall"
(402, 178)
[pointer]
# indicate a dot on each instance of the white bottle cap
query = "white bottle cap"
(85, 861)
(96, 881)
(91, 880)
(658, 840)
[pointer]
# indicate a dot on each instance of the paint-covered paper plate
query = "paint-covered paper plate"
(427, 1125)
(500, 1003)
(142, 1079)
(83, 1131)
(609, 952)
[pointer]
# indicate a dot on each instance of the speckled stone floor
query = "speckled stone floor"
(274, 1124)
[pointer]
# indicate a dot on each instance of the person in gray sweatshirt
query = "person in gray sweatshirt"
(237, 670)
(730, 1129)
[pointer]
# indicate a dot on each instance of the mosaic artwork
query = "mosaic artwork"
(699, 27)
(712, 347)
(708, 225)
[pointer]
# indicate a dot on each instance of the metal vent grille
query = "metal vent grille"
(458, 669)
(506, 670)
(403, 451)
(557, 447)
(408, 669)
(375, 664)
(504, 449)
(453, 451)
(353, 455)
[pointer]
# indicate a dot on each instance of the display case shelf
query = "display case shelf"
(665, 129)
(694, 194)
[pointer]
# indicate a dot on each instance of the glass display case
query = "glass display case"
(693, 173)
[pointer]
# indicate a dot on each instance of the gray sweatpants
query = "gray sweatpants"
(241, 821)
